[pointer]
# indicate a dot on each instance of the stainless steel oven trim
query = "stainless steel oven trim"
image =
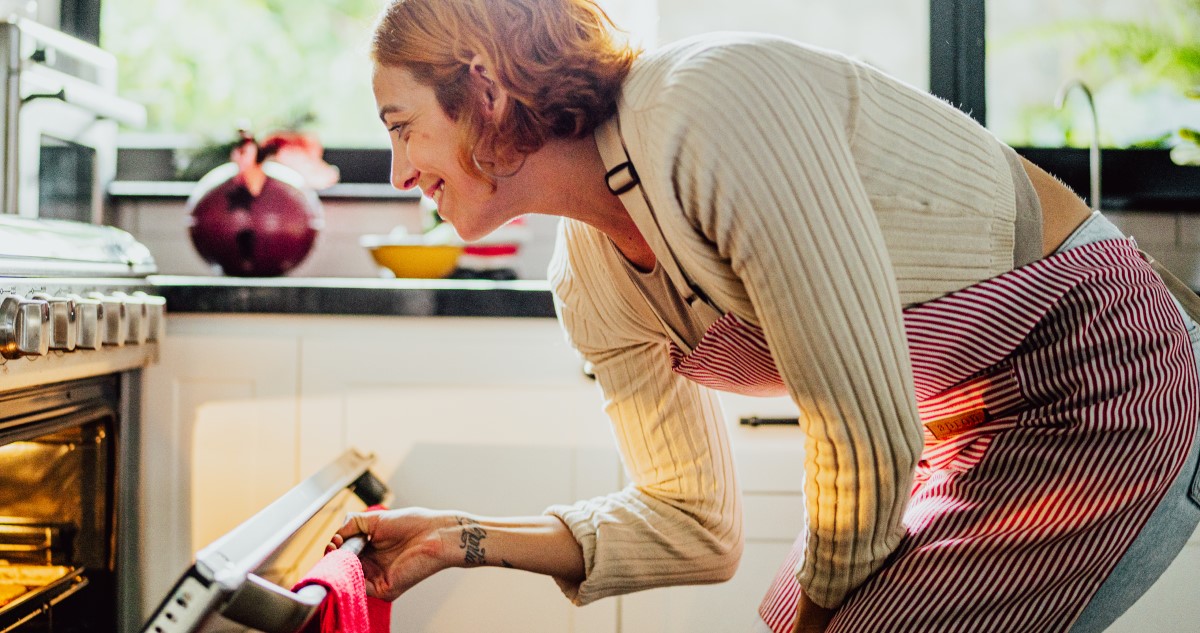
(70, 110)
(41, 100)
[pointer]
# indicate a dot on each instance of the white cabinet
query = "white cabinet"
(491, 416)
(218, 439)
(770, 469)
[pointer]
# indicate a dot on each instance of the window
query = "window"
(892, 35)
(205, 68)
(1138, 57)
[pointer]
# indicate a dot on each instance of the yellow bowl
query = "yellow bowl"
(417, 260)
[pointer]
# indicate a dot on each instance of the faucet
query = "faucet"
(1094, 148)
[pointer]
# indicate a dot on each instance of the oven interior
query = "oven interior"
(57, 502)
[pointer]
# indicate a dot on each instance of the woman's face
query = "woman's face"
(425, 154)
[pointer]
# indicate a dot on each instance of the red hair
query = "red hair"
(557, 59)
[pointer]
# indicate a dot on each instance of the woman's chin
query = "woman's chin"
(469, 232)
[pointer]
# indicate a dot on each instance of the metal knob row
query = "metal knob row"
(33, 326)
(24, 326)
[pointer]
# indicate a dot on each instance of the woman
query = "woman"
(967, 344)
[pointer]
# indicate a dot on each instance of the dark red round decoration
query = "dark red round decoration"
(248, 235)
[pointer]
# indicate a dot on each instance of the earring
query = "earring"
(495, 176)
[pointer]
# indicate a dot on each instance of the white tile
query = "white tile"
(1183, 263)
(1189, 230)
(1150, 229)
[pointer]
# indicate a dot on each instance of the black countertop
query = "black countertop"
(354, 296)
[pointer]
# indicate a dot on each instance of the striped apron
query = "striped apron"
(1059, 402)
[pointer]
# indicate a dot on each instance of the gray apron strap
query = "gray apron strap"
(1184, 294)
(622, 180)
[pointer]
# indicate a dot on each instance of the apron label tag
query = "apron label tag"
(948, 427)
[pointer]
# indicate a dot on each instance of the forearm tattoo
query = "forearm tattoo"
(471, 542)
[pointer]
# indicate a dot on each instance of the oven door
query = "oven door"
(240, 580)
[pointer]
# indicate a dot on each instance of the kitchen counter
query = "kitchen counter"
(355, 296)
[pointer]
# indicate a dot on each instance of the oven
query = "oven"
(59, 120)
(78, 323)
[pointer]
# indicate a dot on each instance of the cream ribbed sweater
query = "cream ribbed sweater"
(812, 196)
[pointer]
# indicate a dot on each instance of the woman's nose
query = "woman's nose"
(404, 175)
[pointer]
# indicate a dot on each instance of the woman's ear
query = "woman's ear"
(494, 101)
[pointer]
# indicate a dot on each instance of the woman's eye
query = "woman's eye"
(400, 130)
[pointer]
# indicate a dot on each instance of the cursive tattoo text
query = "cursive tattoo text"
(471, 542)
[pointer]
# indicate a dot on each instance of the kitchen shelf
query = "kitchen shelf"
(181, 189)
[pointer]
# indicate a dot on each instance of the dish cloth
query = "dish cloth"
(347, 609)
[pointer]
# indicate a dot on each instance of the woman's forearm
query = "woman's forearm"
(540, 544)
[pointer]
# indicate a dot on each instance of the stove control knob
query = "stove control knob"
(89, 314)
(137, 318)
(115, 328)
(156, 315)
(64, 325)
(24, 327)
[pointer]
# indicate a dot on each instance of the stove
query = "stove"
(78, 323)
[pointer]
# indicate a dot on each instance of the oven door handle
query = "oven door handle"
(264, 606)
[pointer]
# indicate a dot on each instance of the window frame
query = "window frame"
(1133, 180)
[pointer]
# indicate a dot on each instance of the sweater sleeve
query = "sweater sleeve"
(679, 519)
(762, 167)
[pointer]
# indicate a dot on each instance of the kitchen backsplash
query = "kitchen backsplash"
(161, 224)
(1172, 238)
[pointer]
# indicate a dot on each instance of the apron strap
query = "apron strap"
(1184, 294)
(622, 179)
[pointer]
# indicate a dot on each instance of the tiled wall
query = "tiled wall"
(161, 224)
(1173, 238)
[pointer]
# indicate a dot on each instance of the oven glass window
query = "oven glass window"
(57, 520)
(65, 176)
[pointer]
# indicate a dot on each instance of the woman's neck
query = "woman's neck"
(568, 178)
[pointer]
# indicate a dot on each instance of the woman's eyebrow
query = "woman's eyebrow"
(389, 109)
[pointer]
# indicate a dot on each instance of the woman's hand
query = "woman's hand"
(409, 545)
(405, 547)
(811, 617)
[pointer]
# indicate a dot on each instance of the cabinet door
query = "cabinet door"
(490, 416)
(218, 437)
(770, 469)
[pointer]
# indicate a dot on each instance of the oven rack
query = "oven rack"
(35, 602)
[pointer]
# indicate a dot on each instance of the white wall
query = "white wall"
(1173, 238)
(161, 224)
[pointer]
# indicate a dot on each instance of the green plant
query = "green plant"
(1188, 152)
(205, 68)
(1144, 54)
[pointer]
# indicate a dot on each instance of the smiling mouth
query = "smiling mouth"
(435, 192)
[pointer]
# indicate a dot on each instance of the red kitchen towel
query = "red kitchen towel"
(347, 609)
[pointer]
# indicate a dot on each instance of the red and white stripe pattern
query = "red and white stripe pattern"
(1089, 384)
(731, 356)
